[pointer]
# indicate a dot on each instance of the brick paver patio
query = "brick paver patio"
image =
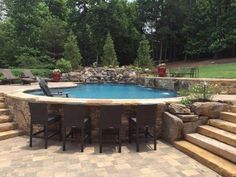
(17, 159)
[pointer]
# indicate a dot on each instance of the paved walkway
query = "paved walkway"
(17, 159)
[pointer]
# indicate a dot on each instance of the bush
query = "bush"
(36, 72)
(27, 61)
(64, 65)
(200, 92)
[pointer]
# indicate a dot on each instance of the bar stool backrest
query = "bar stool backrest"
(74, 115)
(146, 115)
(110, 116)
(39, 113)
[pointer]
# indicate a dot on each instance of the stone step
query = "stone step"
(2, 105)
(4, 111)
(216, 163)
(228, 116)
(2, 99)
(5, 118)
(188, 118)
(216, 133)
(228, 126)
(224, 150)
(10, 134)
(7, 126)
(233, 109)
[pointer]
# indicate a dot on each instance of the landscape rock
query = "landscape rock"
(172, 127)
(104, 74)
(188, 118)
(209, 109)
(175, 108)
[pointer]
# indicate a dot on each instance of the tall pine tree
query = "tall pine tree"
(109, 54)
(72, 51)
(144, 57)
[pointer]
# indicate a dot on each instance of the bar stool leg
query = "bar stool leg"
(155, 138)
(119, 140)
(31, 134)
(137, 139)
(100, 140)
(64, 139)
(46, 136)
(82, 139)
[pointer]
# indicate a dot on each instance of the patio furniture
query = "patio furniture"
(140, 124)
(110, 120)
(40, 116)
(192, 72)
(44, 86)
(76, 118)
(10, 78)
(28, 74)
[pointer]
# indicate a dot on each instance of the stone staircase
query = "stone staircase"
(8, 128)
(214, 144)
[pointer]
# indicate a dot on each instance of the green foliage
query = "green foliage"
(64, 65)
(109, 53)
(201, 92)
(36, 72)
(72, 52)
(53, 37)
(144, 59)
(174, 28)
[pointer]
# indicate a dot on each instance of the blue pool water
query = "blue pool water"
(113, 91)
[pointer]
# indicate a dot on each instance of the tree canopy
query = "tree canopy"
(40, 32)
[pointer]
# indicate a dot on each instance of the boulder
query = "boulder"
(188, 118)
(209, 109)
(172, 127)
(175, 108)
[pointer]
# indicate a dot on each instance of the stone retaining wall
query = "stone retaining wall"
(227, 86)
(19, 109)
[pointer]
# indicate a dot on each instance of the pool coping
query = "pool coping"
(20, 94)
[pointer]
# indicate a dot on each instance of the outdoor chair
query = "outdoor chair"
(144, 120)
(40, 116)
(28, 74)
(76, 118)
(110, 120)
(10, 78)
(44, 86)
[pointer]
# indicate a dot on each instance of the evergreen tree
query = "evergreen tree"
(72, 52)
(144, 58)
(109, 53)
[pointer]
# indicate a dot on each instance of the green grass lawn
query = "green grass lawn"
(218, 71)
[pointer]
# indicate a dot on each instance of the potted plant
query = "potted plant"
(56, 75)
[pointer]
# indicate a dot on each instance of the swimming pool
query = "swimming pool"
(113, 91)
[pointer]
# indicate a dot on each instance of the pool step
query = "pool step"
(216, 163)
(233, 108)
(228, 116)
(7, 126)
(218, 134)
(4, 111)
(214, 146)
(5, 118)
(224, 125)
(10, 134)
(2, 105)
(2, 99)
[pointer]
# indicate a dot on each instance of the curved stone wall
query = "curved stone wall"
(18, 105)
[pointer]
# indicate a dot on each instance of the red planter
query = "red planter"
(56, 77)
(161, 71)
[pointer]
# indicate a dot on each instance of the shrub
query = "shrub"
(27, 61)
(64, 65)
(200, 92)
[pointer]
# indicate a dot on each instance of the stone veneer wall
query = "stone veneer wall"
(228, 86)
(19, 109)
